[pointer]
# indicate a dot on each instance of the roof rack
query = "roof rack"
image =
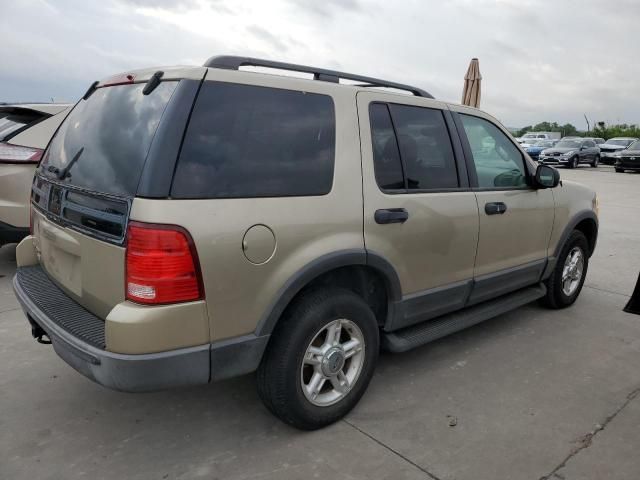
(230, 62)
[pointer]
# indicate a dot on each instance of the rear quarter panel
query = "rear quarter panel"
(237, 291)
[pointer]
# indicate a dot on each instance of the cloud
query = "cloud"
(327, 8)
(264, 35)
(540, 59)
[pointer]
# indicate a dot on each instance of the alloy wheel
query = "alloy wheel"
(572, 271)
(332, 362)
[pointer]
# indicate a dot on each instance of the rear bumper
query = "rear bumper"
(11, 234)
(75, 335)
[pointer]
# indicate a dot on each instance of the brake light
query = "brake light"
(122, 79)
(16, 154)
(162, 265)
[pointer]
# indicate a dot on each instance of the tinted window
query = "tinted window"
(589, 143)
(103, 143)
(498, 162)
(425, 147)
(246, 141)
(386, 157)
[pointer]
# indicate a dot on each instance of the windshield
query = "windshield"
(635, 145)
(622, 143)
(568, 144)
(103, 143)
(544, 144)
(530, 136)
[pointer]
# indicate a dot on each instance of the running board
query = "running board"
(423, 333)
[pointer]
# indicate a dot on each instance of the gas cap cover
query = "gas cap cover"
(259, 244)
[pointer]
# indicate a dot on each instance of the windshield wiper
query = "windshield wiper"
(64, 172)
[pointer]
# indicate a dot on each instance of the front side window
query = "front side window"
(589, 144)
(248, 141)
(498, 163)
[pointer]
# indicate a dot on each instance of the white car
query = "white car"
(25, 131)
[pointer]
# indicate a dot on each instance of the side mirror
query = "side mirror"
(547, 177)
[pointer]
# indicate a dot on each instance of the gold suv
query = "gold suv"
(195, 224)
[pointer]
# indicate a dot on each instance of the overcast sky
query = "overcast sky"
(540, 59)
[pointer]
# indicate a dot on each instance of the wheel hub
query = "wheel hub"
(333, 361)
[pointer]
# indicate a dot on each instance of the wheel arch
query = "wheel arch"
(337, 267)
(585, 221)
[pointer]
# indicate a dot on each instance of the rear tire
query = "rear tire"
(619, 170)
(294, 364)
(566, 281)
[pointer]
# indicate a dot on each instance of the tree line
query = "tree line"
(600, 129)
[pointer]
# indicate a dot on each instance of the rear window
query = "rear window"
(12, 123)
(103, 143)
(248, 141)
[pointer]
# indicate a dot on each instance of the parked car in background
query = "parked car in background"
(25, 130)
(610, 148)
(629, 158)
(571, 152)
(535, 149)
(528, 138)
(598, 140)
(229, 221)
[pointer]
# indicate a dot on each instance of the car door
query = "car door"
(515, 219)
(419, 212)
(590, 150)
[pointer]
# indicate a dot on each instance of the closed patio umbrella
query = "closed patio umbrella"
(471, 91)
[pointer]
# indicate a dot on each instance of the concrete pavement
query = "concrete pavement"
(533, 394)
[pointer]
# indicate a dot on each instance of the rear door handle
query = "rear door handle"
(391, 215)
(495, 208)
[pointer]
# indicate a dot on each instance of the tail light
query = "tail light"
(17, 154)
(162, 265)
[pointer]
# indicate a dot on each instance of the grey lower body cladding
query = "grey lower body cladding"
(78, 338)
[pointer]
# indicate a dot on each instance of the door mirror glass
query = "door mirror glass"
(547, 177)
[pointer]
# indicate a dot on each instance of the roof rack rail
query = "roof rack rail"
(230, 62)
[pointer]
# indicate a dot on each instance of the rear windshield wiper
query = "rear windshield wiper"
(63, 173)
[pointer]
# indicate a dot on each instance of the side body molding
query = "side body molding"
(323, 265)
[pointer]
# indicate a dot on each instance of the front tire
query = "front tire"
(566, 281)
(619, 170)
(320, 358)
(596, 161)
(574, 162)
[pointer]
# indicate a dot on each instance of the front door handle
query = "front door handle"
(391, 215)
(495, 208)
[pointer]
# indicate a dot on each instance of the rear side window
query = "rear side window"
(386, 156)
(248, 141)
(425, 147)
(411, 148)
(103, 143)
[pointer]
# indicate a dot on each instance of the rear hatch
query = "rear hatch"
(84, 187)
